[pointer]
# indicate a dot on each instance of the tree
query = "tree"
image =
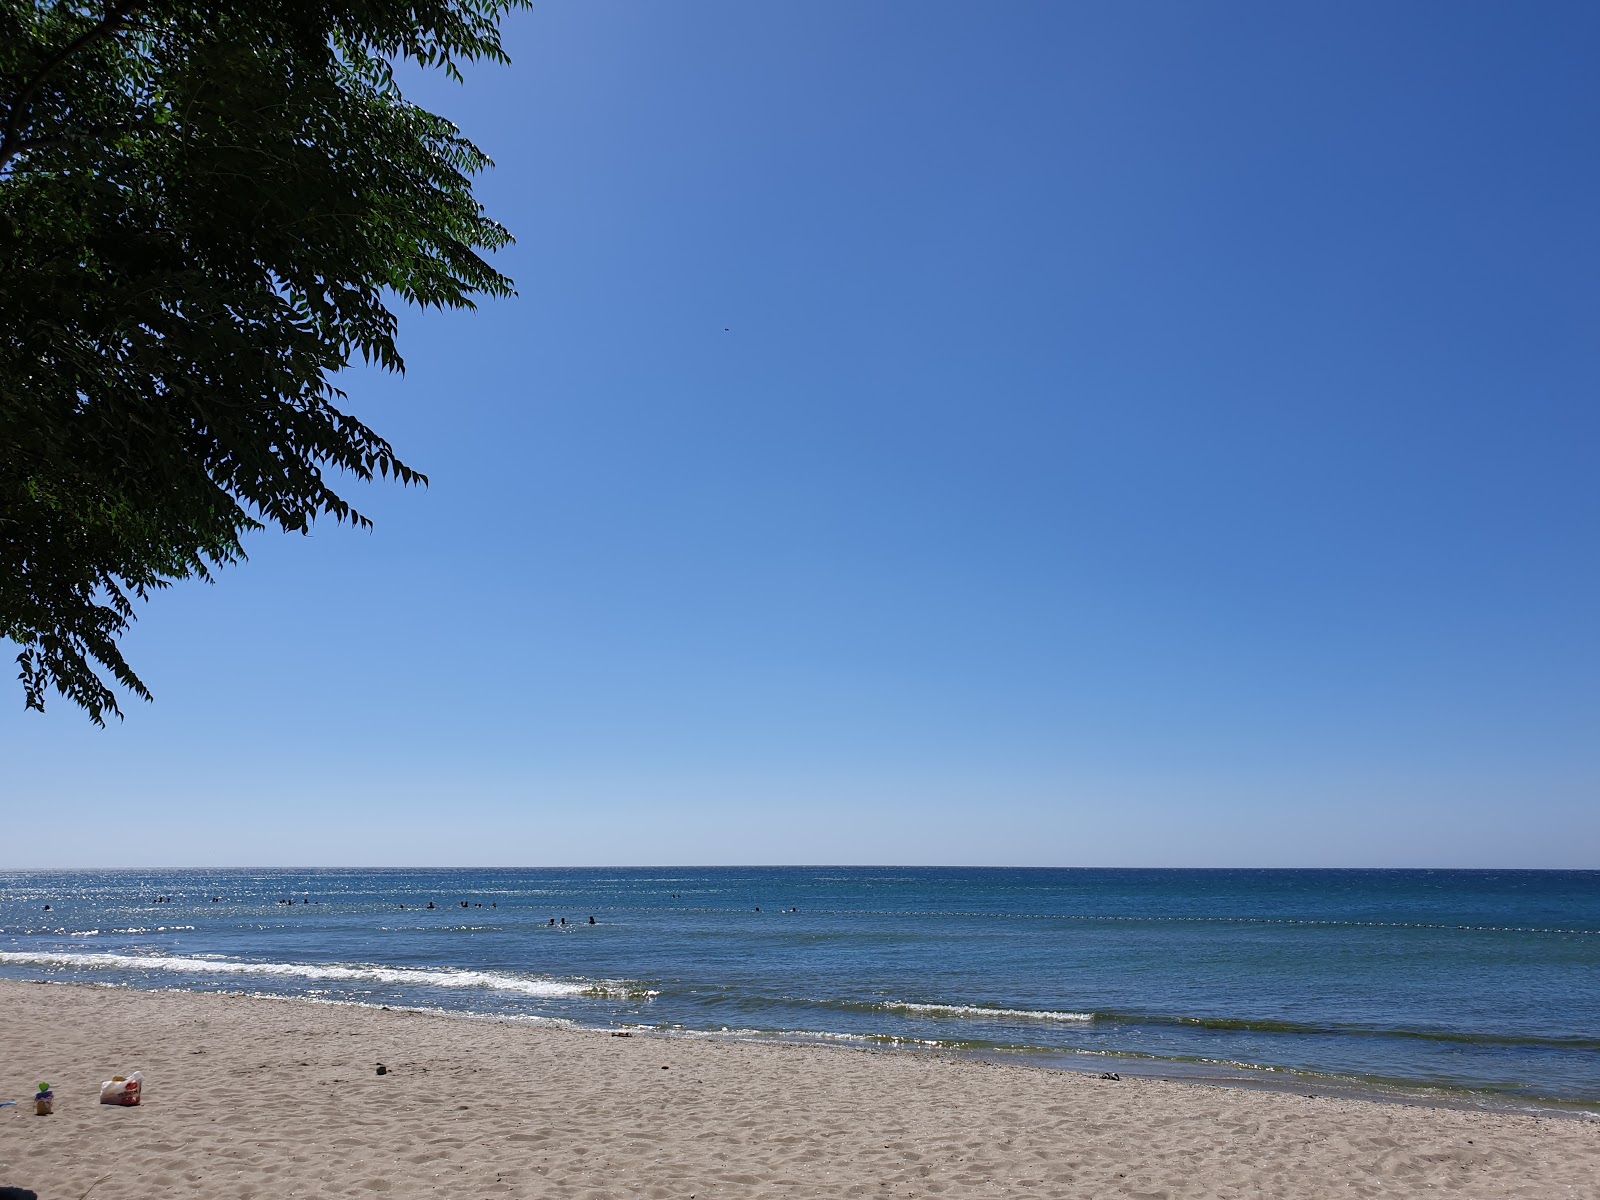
(206, 211)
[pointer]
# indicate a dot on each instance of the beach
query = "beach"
(253, 1097)
(1365, 980)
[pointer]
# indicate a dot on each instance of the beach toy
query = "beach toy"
(122, 1090)
(45, 1102)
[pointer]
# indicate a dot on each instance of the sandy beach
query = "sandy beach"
(264, 1098)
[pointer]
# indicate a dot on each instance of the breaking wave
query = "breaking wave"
(979, 1012)
(447, 977)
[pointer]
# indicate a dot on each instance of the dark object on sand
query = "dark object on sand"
(620, 1033)
(382, 1070)
(1112, 1075)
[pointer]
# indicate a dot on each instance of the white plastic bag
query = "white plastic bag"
(122, 1091)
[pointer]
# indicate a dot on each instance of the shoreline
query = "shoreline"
(1274, 1079)
(254, 1099)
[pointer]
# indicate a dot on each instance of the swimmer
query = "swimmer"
(591, 919)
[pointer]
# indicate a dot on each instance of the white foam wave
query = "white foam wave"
(875, 1039)
(141, 929)
(979, 1012)
(154, 929)
(727, 1033)
(445, 977)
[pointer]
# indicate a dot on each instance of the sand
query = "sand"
(265, 1098)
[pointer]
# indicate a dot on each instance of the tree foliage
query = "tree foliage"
(206, 211)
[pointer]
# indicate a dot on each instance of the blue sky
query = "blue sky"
(1051, 433)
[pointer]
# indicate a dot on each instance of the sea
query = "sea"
(1475, 988)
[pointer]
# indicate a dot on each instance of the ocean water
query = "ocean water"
(1461, 986)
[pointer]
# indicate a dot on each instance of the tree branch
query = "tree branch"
(97, 132)
(116, 17)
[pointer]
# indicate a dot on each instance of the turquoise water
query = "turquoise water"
(1464, 985)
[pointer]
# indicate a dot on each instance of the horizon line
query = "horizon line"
(791, 867)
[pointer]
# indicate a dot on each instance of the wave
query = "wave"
(910, 1008)
(915, 1010)
(1334, 1029)
(149, 929)
(449, 977)
(979, 1012)
(1110, 1019)
(98, 932)
(799, 1035)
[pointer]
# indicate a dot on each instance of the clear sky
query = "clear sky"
(1027, 433)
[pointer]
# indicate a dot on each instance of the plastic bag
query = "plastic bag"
(119, 1090)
